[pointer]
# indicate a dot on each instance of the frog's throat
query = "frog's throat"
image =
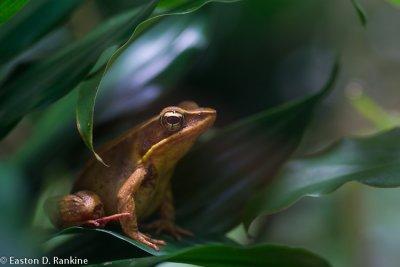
(189, 132)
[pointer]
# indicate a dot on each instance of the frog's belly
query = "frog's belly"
(148, 200)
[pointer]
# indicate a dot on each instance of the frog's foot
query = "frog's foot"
(147, 240)
(168, 227)
(101, 222)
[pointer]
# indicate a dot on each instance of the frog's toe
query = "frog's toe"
(178, 232)
(91, 223)
(168, 227)
(156, 241)
(182, 232)
(147, 240)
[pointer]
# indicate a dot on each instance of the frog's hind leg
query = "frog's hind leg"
(80, 208)
(166, 223)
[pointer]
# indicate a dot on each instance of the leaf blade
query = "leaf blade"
(224, 256)
(369, 160)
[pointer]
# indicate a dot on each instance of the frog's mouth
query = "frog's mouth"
(198, 121)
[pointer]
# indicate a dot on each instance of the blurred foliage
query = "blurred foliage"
(396, 2)
(369, 109)
(360, 12)
(9, 7)
(135, 57)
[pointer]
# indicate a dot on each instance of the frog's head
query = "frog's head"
(166, 138)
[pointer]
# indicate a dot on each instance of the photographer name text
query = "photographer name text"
(11, 260)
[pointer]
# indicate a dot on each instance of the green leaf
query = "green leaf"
(223, 255)
(9, 8)
(240, 160)
(106, 236)
(88, 99)
(194, 251)
(36, 19)
(360, 12)
(373, 161)
(54, 77)
(113, 234)
(85, 111)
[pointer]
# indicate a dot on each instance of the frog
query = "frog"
(135, 181)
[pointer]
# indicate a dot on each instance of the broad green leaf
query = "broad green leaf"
(9, 8)
(373, 161)
(87, 99)
(85, 110)
(36, 19)
(360, 12)
(54, 77)
(213, 183)
(226, 256)
(171, 247)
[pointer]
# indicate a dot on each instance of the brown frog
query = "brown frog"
(136, 182)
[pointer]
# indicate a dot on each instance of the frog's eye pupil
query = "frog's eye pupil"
(172, 120)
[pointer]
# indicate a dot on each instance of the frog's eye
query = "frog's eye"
(172, 120)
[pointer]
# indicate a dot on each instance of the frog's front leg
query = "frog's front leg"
(166, 223)
(126, 204)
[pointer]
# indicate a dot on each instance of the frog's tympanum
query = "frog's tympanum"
(136, 182)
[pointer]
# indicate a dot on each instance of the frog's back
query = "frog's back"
(121, 158)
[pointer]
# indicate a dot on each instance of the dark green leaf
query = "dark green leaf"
(240, 160)
(52, 78)
(138, 248)
(360, 12)
(36, 19)
(374, 161)
(85, 110)
(87, 99)
(226, 256)
(9, 8)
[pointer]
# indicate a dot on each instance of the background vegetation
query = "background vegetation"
(307, 96)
